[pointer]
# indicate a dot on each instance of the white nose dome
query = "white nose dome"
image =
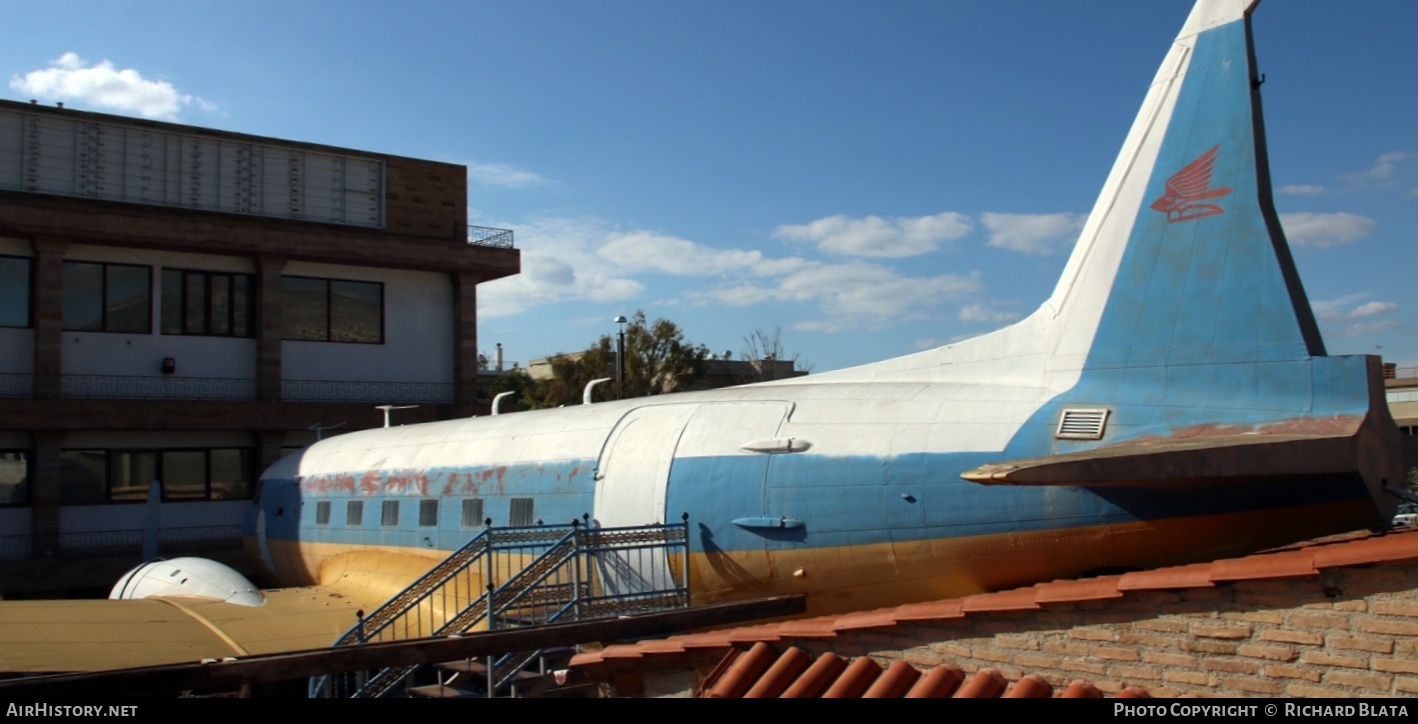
(188, 577)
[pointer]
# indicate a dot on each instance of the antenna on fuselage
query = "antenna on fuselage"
(320, 429)
(586, 396)
(387, 408)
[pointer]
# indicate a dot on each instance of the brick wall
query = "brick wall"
(1347, 632)
(425, 198)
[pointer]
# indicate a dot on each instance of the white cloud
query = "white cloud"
(1382, 172)
(672, 255)
(559, 263)
(1363, 328)
(1339, 315)
(982, 313)
(1301, 189)
(70, 78)
(852, 294)
(503, 176)
(1373, 308)
(1033, 233)
(588, 259)
(1325, 230)
(874, 236)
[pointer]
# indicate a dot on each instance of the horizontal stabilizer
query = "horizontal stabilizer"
(1210, 460)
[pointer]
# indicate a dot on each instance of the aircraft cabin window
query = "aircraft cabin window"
(322, 513)
(14, 291)
(472, 512)
(521, 513)
(428, 513)
(354, 514)
(389, 516)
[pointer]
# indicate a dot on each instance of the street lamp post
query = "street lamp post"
(620, 357)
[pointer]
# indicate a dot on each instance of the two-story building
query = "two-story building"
(182, 305)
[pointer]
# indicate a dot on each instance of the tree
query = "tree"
(657, 360)
(761, 348)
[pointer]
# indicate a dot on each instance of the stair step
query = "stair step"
(441, 691)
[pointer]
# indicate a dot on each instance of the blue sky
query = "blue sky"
(873, 178)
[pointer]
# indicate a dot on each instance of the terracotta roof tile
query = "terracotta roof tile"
(1197, 575)
(822, 627)
(803, 679)
(894, 682)
(985, 684)
(780, 675)
(1018, 599)
(867, 619)
(854, 680)
(931, 611)
(1087, 589)
(1396, 546)
(1265, 565)
(938, 683)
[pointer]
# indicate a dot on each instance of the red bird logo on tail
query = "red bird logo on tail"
(1188, 188)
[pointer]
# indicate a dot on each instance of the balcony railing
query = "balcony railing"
(391, 392)
(486, 236)
(156, 388)
(226, 388)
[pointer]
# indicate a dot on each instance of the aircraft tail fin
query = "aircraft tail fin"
(1183, 260)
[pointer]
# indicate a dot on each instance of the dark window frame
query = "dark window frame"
(110, 460)
(26, 489)
(354, 514)
(184, 324)
(28, 292)
(389, 514)
(521, 512)
(322, 512)
(105, 324)
(331, 324)
(428, 513)
(473, 513)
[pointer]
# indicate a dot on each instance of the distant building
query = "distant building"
(182, 304)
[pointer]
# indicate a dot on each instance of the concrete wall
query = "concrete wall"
(418, 331)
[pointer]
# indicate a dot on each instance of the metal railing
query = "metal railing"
(487, 236)
(523, 576)
(157, 388)
(373, 391)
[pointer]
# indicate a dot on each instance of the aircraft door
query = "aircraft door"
(632, 476)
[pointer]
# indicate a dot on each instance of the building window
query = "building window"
(91, 477)
(389, 515)
(472, 512)
(107, 297)
(332, 310)
(14, 291)
(14, 477)
(354, 514)
(428, 513)
(322, 513)
(521, 512)
(209, 303)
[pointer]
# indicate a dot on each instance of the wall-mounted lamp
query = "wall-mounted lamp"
(169, 365)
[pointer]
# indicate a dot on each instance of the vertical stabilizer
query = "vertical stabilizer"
(1183, 260)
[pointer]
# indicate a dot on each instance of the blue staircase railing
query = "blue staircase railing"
(523, 576)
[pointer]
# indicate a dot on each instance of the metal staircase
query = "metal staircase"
(522, 576)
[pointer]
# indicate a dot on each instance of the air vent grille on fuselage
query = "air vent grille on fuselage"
(1082, 424)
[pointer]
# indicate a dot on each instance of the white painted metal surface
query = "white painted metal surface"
(41, 153)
